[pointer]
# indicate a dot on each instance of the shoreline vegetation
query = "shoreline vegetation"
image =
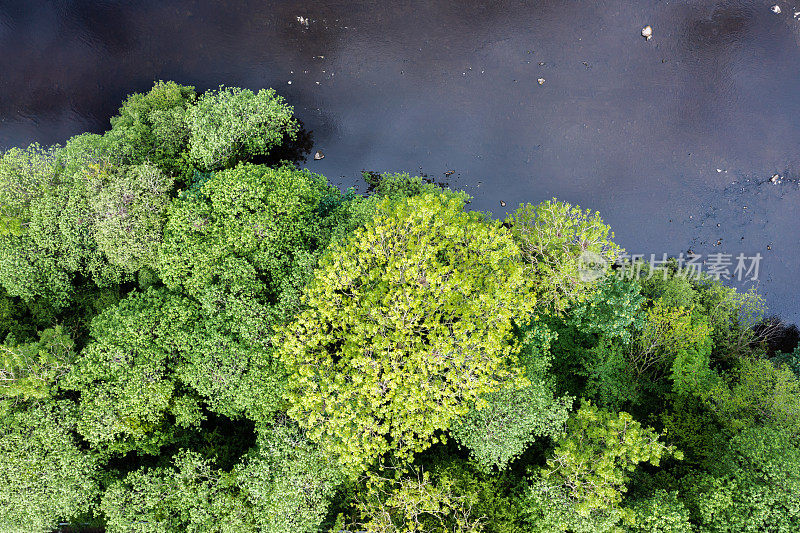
(198, 335)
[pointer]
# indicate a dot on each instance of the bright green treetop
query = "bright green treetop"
(408, 322)
(567, 251)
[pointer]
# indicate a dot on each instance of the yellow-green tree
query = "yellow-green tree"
(408, 322)
(567, 251)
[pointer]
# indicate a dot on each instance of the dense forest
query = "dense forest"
(198, 335)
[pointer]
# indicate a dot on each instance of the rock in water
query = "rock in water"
(319, 155)
(647, 32)
(776, 9)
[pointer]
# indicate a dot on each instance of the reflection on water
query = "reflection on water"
(673, 139)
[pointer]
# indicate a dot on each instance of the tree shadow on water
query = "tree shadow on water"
(294, 150)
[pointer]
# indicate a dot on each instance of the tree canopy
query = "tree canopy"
(197, 334)
(408, 321)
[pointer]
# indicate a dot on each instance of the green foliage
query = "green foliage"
(402, 185)
(126, 374)
(609, 380)
(26, 269)
(567, 250)
(235, 378)
(33, 274)
(509, 422)
(44, 476)
(283, 484)
(582, 486)
(754, 485)
(662, 512)
(613, 312)
(493, 498)
(25, 174)
(16, 322)
(791, 361)
(129, 206)
(191, 496)
(47, 192)
(435, 290)
(244, 243)
(730, 314)
(665, 285)
(535, 339)
(694, 428)
(152, 127)
(357, 211)
(63, 224)
(667, 333)
(442, 494)
(29, 371)
(232, 125)
(757, 392)
(673, 343)
(415, 503)
(513, 417)
(83, 153)
(94, 208)
(287, 481)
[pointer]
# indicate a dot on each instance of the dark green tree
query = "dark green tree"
(153, 128)
(130, 396)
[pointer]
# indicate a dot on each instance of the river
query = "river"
(674, 139)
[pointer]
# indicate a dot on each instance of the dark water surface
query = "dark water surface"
(673, 140)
